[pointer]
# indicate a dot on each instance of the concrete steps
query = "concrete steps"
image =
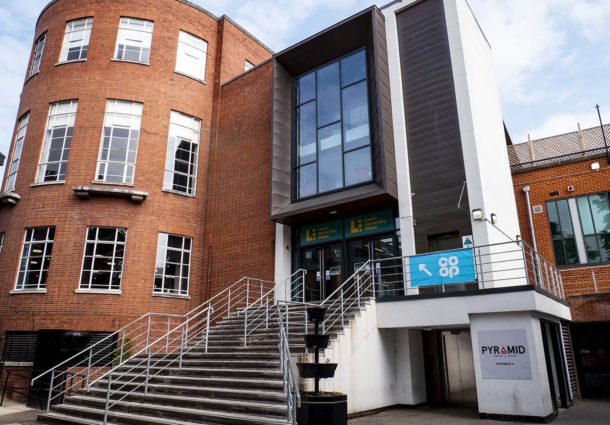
(228, 384)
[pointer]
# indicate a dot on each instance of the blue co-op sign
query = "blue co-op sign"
(442, 268)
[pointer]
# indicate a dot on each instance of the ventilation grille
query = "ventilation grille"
(567, 342)
(19, 347)
(537, 209)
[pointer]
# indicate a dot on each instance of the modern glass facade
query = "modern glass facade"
(332, 132)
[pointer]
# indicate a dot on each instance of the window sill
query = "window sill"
(27, 80)
(99, 291)
(177, 296)
(85, 192)
(176, 192)
(112, 184)
(9, 198)
(27, 291)
(18, 364)
(127, 61)
(73, 61)
(37, 184)
(191, 77)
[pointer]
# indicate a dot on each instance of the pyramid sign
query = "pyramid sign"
(467, 241)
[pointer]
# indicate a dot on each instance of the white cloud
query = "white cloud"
(561, 123)
(592, 19)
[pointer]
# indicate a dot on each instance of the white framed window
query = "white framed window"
(191, 56)
(119, 146)
(134, 40)
(1, 241)
(13, 164)
(182, 154)
(248, 65)
(173, 264)
(103, 259)
(76, 40)
(35, 258)
(57, 141)
(38, 51)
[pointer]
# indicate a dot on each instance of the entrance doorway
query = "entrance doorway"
(460, 382)
(449, 368)
(555, 364)
(324, 271)
(388, 270)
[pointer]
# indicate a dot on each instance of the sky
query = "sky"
(551, 57)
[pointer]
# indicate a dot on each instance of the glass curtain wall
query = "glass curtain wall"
(333, 143)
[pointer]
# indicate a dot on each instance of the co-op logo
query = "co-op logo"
(502, 350)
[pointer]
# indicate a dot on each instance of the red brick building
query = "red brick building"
(567, 181)
(112, 175)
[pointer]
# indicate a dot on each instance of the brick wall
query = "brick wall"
(239, 232)
(581, 279)
(92, 82)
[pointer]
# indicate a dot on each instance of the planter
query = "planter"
(317, 370)
(316, 341)
(316, 314)
(323, 409)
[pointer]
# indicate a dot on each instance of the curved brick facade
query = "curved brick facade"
(92, 82)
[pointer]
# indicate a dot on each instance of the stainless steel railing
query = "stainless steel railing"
(290, 383)
(152, 332)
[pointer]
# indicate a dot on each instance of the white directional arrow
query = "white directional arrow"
(422, 268)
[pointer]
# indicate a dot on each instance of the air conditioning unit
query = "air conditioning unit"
(537, 209)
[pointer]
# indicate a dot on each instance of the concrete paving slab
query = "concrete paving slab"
(587, 412)
(13, 413)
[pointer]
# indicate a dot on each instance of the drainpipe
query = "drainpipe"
(526, 189)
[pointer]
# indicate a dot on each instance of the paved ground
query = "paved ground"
(585, 413)
(12, 413)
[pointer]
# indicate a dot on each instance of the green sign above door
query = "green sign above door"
(320, 233)
(369, 224)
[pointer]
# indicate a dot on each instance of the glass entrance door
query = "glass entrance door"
(324, 271)
(388, 271)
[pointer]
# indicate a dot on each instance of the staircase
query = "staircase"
(231, 371)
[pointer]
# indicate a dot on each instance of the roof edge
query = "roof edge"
(194, 6)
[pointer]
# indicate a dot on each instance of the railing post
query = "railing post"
(122, 346)
(50, 390)
(181, 347)
(89, 368)
(303, 285)
(482, 285)
(167, 334)
(246, 327)
(107, 398)
(342, 312)
(267, 312)
(148, 333)
(527, 275)
(207, 328)
(147, 373)
(261, 296)
(358, 288)
(247, 292)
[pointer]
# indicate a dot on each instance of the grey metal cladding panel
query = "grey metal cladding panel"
(281, 138)
(433, 133)
(383, 115)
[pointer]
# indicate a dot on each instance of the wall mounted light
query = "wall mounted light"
(595, 166)
(333, 212)
(477, 214)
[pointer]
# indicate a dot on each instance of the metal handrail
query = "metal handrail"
(114, 350)
(191, 333)
(290, 385)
